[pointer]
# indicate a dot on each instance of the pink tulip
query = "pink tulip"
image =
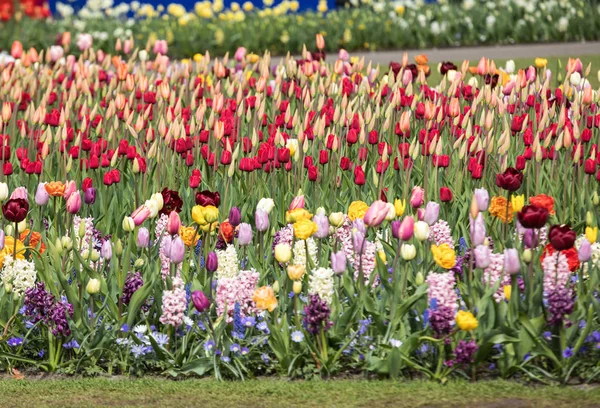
(407, 228)
(160, 47)
(417, 196)
(74, 203)
(19, 192)
(531, 74)
(376, 213)
(56, 53)
(127, 46)
(297, 202)
(84, 41)
(343, 55)
(140, 215)
(407, 77)
(174, 223)
(70, 188)
(240, 54)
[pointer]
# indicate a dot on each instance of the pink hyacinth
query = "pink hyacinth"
(344, 235)
(174, 304)
(495, 272)
(441, 288)
(237, 290)
(556, 273)
(441, 233)
(161, 226)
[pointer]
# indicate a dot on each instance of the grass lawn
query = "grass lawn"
(435, 77)
(280, 393)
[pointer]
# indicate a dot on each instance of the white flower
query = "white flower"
(435, 28)
(266, 204)
(563, 24)
(64, 10)
(187, 321)
(140, 329)
(300, 252)
(395, 343)
(321, 283)
(468, 4)
(510, 66)
(490, 21)
(19, 274)
(228, 265)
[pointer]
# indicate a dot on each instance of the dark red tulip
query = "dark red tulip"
(562, 237)
(510, 180)
(206, 198)
(171, 201)
(15, 209)
(533, 217)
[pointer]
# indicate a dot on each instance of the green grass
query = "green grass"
(522, 63)
(280, 393)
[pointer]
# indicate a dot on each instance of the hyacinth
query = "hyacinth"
(560, 304)
(440, 233)
(133, 282)
(557, 289)
(19, 275)
(300, 252)
(494, 273)
(238, 289)
(174, 304)
(321, 283)
(441, 288)
(83, 243)
(41, 306)
(161, 226)
(462, 262)
(284, 236)
(316, 315)
(228, 264)
(368, 263)
(465, 351)
(441, 319)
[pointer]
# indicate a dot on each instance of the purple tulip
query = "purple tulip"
(244, 234)
(359, 225)
(530, 238)
(2, 237)
(212, 262)
(512, 263)
(585, 250)
(482, 256)
(432, 212)
(261, 219)
(407, 228)
(322, 224)
(106, 250)
(200, 301)
(396, 228)
(482, 197)
(338, 262)
(235, 216)
(358, 238)
(143, 238)
(167, 241)
(41, 195)
(477, 230)
(89, 196)
(177, 252)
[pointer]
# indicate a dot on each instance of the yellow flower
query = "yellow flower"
(247, 6)
(382, 256)
(285, 37)
(444, 256)
(297, 214)
(399, 206)
(505, 78)
(252, 58)
(400, 10)
(219, 36)
(265, 299)
(357, 209)
(591, 234)
(268, 3)
(322, 7)
(304, 229)
(198, 215)
(498, 209)
(517, 201)
(283, 253)
(507, 291)
(235, 6)
(541, 62)
(211, 213)
(198, 57)
(9, 247)
(294, 6)
(176, 10)
(466, 321)
(296, 272)
(188, 235)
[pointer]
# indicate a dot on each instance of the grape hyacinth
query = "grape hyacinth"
(316, 315)
(133, 282)
(465, 351)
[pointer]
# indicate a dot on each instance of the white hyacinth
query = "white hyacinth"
(20, 274)
(321, 283)
(228, 265)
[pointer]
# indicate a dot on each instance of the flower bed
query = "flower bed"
(281, 28)
(232, 219)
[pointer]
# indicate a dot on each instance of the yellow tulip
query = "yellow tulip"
(466, 321)
(304, 229)
(591, 234)
(400, 207)
(541, 62)
(198, 215)
(444, 256)
(357, 210)
(517, 201)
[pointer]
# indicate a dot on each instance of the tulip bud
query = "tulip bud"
(200, 301)
(41, 195)
(589, 218)
(276, 286)
(118, 248)
(10, 230)
(585, 250)
(235, 216)
(421, 230)
(57, 244)
(128, 224)
(93, 286)
(408, 252)
(512, 264)
(89, 196)
(595, 198)
(419, 279)
(527, 256)
(173, 223)
(67, 243)
(283, 253)
(81, 230)
(138, 263)
(212, 262)
(297, 287)
(337, 219)
(3, 191)
(21, 226)
(143, 238)
(177, 252)
(95, 255)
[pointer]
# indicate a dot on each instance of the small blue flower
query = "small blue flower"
(138, 350)
(160, 338)
(125, 328)
(225, 359)
(263, 327)
(15, 341)
(568, 352)
(244, 351)
(41, 353)
(209, 345)
(433, 304)
(71, 345)
(547, 335)
(297, 336)
(265, 358)
(248, 321)
(234, 348)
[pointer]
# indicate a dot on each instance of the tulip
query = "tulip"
(89, 196)
(93, 286)
(533, 217)
(417, 196)
(512, 263)
(297, 202)
(399, 206)
(105, 250)
(15, 209)
(337, 219)
(445, 195)
(19, 192)
(128, 224)
(283, 253)
(173, 223)
(70, 188)
(212, 262)
(376, 213)
(530, 239)
(591, 234)
(139, 215)
(3, 191)
(408, 252)
(266, 204)
(562, 237)
(338, 262)
(322, 224)
(585, 250)
(407, 228)
(477, 230)
(297, 287)
(421, 230)
(177, 251)
(143, 238)
(482, 256)
(510, 180)
(200, 301)
(41, 195)
(235, 216)
(240, 54)
(74, 203)
(296, 272)
(358, 239)
(261, 219)
(2, 239)
(432, 212)
(482, 198)
(244, 234)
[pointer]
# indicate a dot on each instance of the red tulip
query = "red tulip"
(562, 237)
(510, 180)
(445, 195)
(359, 176)
(15, 209)
(533, 217)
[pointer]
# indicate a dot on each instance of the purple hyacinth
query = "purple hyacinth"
(133, 282)
(441, 319)
(560, 304)
(316, 315)
(465, 351)
(41, 306)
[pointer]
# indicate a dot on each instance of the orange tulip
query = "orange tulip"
(55, 188)
(35, 238)
(17, 49)
(421, 59)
